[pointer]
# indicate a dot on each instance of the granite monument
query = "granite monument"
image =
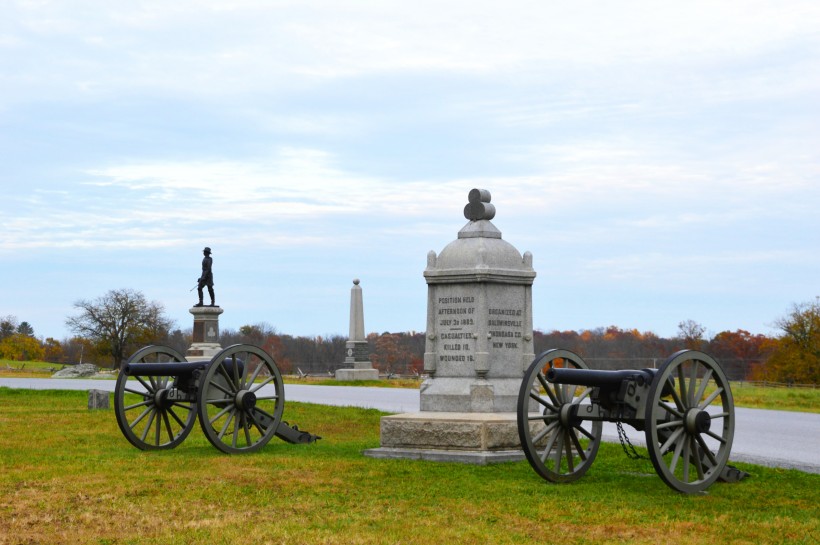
(479, 344)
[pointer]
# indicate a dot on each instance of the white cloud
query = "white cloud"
(220, 48)
(299, 191)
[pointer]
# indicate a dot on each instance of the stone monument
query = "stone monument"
(478, 346)
(357, 359)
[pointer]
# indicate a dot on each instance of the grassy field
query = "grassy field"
(11, 366)
(778, 399)
(68, 476)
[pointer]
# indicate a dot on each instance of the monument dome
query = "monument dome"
(479, 246)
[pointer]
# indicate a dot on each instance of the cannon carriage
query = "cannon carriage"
(685, 408)
(238, 396)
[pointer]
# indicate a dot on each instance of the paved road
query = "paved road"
(769, 438)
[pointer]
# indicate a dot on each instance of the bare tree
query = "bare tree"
(119, 320)
(691, 333)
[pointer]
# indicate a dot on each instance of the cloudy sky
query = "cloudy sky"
(660, 160)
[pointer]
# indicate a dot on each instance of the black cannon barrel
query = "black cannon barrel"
(177, 368)
(167, 369)
(597, 378)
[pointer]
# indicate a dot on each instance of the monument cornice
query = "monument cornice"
(490, 276)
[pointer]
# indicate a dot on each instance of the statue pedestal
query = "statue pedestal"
(205, 343)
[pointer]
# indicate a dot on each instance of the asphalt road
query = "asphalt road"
(769, 438)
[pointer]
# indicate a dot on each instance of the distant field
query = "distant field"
(779, 398)
(68, 476)
(745, 395)
(36, 366)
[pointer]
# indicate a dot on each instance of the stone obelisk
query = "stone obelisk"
(479, 343)
(358, 355)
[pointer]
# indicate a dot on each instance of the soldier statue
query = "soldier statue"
(207, 278)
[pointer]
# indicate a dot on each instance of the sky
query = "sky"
(660, 160)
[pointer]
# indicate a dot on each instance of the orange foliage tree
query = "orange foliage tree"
(796, 359)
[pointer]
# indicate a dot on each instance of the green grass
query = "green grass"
(779, 399)
(68, 476)
(41, 366)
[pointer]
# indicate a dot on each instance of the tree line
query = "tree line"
(108, 329)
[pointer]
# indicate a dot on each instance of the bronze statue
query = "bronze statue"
(207, 278)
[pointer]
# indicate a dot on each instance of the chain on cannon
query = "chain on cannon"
(238, 396)
(685, 408)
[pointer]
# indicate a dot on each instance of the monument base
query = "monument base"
(475, 438)
(475, 457)
(202, 351)
(469, 394)
(357, 374)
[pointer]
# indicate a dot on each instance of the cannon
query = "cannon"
(685, 408)
(238, 396)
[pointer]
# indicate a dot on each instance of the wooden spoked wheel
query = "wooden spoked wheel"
(241, 399)
(558, 446)
(690, 421)
(151, 413)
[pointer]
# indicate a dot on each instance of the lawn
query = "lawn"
(68, 476)
(776, 398)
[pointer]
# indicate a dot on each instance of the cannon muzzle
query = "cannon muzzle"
(598, 378)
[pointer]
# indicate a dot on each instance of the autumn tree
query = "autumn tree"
(265, 337)
(119, 321)
(386, 354)
(52, 350)
(274, 346)
(608, 348)
(21, 348)
(255, 334)
(740, 351)
(797, 356)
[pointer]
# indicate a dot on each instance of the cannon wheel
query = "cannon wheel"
(558, 447)
(241, 399)
(690, 419)
(145, 415)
